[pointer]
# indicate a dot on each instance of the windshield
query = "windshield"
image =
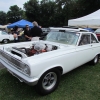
(70, 38)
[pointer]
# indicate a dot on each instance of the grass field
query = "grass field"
(82, 83)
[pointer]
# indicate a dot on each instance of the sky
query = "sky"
(5, 4)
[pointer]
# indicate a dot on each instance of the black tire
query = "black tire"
(5, 41)
(48, 82)
(95, 60)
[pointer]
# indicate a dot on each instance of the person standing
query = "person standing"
(36, 31)
(27, 33)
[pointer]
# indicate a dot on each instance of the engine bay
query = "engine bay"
(34, 49)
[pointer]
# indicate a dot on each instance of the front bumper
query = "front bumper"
(16, 73)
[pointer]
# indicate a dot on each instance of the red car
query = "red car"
(97, 32)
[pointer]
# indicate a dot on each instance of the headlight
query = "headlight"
(25, 68)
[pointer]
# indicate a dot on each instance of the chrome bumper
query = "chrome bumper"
(16, 73)
(22, 80)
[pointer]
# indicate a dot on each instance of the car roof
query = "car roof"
(68, 29)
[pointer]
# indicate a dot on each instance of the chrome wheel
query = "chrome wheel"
(49, 81)
(5, 41)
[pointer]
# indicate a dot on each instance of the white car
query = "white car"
(41, 63)
(5, 37)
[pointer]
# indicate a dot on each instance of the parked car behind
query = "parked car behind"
(5, 37)
(97, 32)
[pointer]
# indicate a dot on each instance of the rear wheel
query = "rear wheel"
(48, 82)
(95, 60)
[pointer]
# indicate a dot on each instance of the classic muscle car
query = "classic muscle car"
(41, 63)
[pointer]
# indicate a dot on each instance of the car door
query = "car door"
(4, 35)
(95, 46)
(84, 49)
(79, 55)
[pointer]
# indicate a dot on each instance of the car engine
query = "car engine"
(35, 49)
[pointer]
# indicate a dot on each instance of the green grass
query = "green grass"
(82, 83)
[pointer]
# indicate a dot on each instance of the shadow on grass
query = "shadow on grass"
(10, 87)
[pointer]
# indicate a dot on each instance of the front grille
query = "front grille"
(9, 58)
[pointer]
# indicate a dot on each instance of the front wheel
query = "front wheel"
(48, 82)
(5, 41)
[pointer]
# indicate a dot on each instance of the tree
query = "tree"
(58, 12)
(32, 10)
(84, 7)
(47, 12)
(63, 9)
(2, 17)
(14, 14)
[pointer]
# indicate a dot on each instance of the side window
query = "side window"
(85, 39)
(93, 39)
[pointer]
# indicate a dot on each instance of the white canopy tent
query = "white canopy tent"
(92, 20)
(3, 26)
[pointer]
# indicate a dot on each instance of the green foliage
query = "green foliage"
(14, 14)
(79, 8)
(47, 14)
(2, 18)
(50, 12)
(32, 10)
